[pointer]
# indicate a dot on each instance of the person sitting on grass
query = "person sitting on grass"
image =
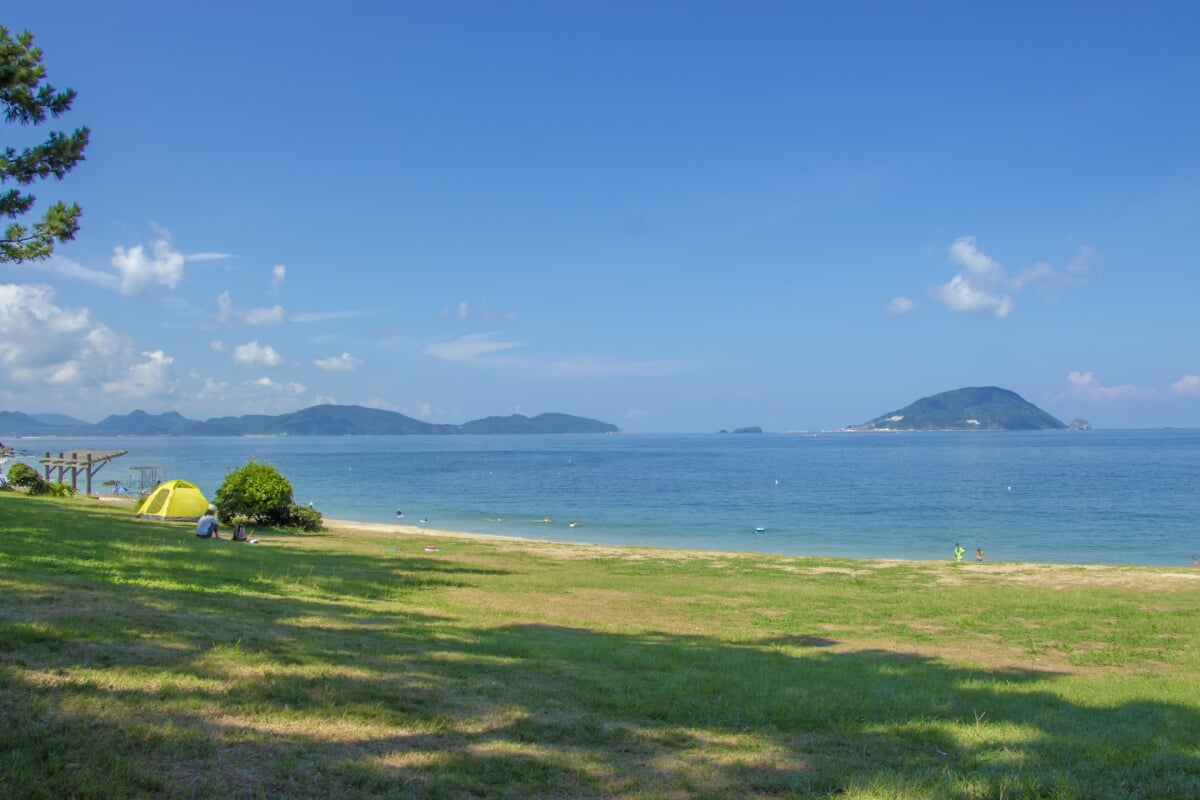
(206, 526)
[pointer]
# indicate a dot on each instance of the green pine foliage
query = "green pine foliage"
(27, 101)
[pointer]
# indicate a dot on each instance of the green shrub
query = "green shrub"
(259, 493)
(26, 477)
(304, 518)
(60, 489)
(23, 476)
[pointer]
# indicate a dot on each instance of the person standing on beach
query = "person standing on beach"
(958, 551)
(979, 554)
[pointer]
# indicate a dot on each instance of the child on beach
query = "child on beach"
(958, 551)
(979, 554)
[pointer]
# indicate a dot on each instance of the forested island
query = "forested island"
(322, 420)
(986, 408)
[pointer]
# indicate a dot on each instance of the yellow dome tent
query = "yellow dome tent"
(174, 500)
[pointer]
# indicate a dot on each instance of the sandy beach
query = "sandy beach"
(1062, 576)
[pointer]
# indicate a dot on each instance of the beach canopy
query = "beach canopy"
(174, 500)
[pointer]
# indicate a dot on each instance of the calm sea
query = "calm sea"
(1082, 497)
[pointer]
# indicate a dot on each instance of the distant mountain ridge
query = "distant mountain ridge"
(976, 408)
(323, 420)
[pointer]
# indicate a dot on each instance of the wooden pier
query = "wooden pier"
(88, 462)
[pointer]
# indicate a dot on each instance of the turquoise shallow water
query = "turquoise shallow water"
(1084, 497)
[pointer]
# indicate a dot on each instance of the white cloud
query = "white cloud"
(253, 354)
(141, 271)
(469, 347)
(264, 316)
(144, 380)
(463, 310)
(900, 305)
(217, 346)
(278, 273)
(224, 307)
(324, 400)
(981, 286)
(1187, 385)
(977, 288)
(135, 270)
(290, 389)
(48, 349)
(379, 402)
(213, 390)
(1085, 385)
(255, 316)
(39, 339)
(343, 363)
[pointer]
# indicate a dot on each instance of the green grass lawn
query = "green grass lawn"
(138, 661)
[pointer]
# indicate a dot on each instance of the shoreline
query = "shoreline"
(386, 528)
(1085, 572)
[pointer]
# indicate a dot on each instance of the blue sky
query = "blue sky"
(671, 216)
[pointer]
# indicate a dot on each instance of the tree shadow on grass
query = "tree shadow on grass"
(543, 711)
(113, 686)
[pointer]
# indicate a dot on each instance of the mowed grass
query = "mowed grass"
(138, 661)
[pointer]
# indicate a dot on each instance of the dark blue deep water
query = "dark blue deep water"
(1081, 497)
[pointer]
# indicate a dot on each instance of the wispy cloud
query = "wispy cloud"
(227, 314)
(1187, 385)
(462, 311)
(343, 363)
(900, 305)
(136, 270)
(263, 316)
(469, 348)
(1085, 385)
(324, 316)
(67, 268)
(289, 388)
(278, 273)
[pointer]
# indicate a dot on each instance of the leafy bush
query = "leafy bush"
(26, 477)
(59, 489)
(23, 476)
(304, 518)
(258, 492)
